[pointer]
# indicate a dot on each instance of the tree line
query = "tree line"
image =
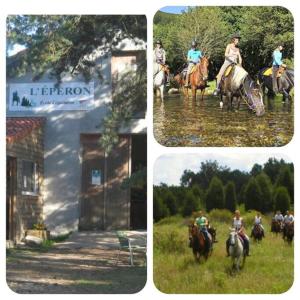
(266, 188)
(261, 28)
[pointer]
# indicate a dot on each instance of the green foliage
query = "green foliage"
(285, 178)
(170, 202)
(160, 210)
(215, 194)
(230, 196)
(261, 29)
(282, 199)
(253, 195)
(266, 189)
(191, 204)
(220, 215)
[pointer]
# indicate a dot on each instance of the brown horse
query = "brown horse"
(247, 90)
(198, 244)
(288, 232)
(276, 226)
(257, 233)
(197, 80)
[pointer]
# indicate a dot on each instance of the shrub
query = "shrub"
(220, 215)
(282, 199)
(265, 186)
(253, 197)
(230, 196)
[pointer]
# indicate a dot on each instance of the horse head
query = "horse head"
(203, 66)
(233, 236)
(254, 96)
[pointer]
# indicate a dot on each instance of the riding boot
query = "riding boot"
(167, 79)
(190, 242)
(247, 247)
(227, 248)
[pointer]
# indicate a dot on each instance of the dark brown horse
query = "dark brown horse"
(247, 90)
(288, 232)
(198, 243)
(257, 233)
(276, 226)
(198, 79)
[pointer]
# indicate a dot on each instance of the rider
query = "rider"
(232, 56)
(288, 219)
(278, 217)
(238, 225)
(258, 221)
(277, 62)
(202, 224)
(159, 54)
(193, 57)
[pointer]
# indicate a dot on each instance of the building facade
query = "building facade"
(82, 185)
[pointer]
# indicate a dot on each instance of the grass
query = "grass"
(269, 269)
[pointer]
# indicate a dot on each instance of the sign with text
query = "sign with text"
(48, 96)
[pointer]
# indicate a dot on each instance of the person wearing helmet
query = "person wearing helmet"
(193, 57)
(277, 63)
(232, 56)
(159, 57)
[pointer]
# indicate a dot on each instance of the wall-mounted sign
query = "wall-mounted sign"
(47, 96)
(96, 177)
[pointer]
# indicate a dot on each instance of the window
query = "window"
(30, 180)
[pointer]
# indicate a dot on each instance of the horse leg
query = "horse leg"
(194, 91)
(161, 89)
(202, 94)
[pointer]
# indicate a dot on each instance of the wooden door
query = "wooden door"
(11, 192)
(92, 200)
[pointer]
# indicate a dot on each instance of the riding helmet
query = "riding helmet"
(236, 36)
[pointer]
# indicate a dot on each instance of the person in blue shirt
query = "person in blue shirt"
(193, 57)
(277, 62)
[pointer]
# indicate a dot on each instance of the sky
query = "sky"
(174, 9)
(169, 168)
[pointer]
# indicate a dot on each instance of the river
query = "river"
(182, 122)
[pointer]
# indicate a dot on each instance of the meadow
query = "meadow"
(269, 269)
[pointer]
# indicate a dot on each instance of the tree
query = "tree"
(256, 169)
(282, 199)
(66, 43)
(160, 210)
(285, 178)
(215, 194)
(272, 168)
(170, 201)
(191, 204)
(199, 194)
(253, 196)
(265, 187)
(230, 196)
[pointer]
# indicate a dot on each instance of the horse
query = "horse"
(197, 241)
(213, 233)
(234, 86)
(276, 226)
(159, 78)
(198, 79)
(285, 82)
(288, 232)
(236, 250)
(257, 233)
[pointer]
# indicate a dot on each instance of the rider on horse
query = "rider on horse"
(193, 57)
(232, 56)
(258, 221)
(288, 219)
(277, 63)
(159, 54)
(238, 225)
(278, 217)
(202, 224)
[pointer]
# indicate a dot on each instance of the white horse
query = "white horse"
(159, 79)
(236, 250)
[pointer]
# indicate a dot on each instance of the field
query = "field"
(269, 269)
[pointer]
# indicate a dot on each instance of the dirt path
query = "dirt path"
(82, 264)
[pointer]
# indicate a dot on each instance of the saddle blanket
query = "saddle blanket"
(268, 72)
(239, 74)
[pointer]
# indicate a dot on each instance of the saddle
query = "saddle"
(184, 71)
(269, 72)
(228, 70)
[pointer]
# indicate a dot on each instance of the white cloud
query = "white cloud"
(169, 168)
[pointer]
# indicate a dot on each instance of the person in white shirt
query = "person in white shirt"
(239, 226)
(288, 219)
(278, 216)
(258, 221)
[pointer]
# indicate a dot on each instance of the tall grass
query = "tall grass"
(269, 269)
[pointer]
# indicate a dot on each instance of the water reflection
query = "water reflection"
(184, 122)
